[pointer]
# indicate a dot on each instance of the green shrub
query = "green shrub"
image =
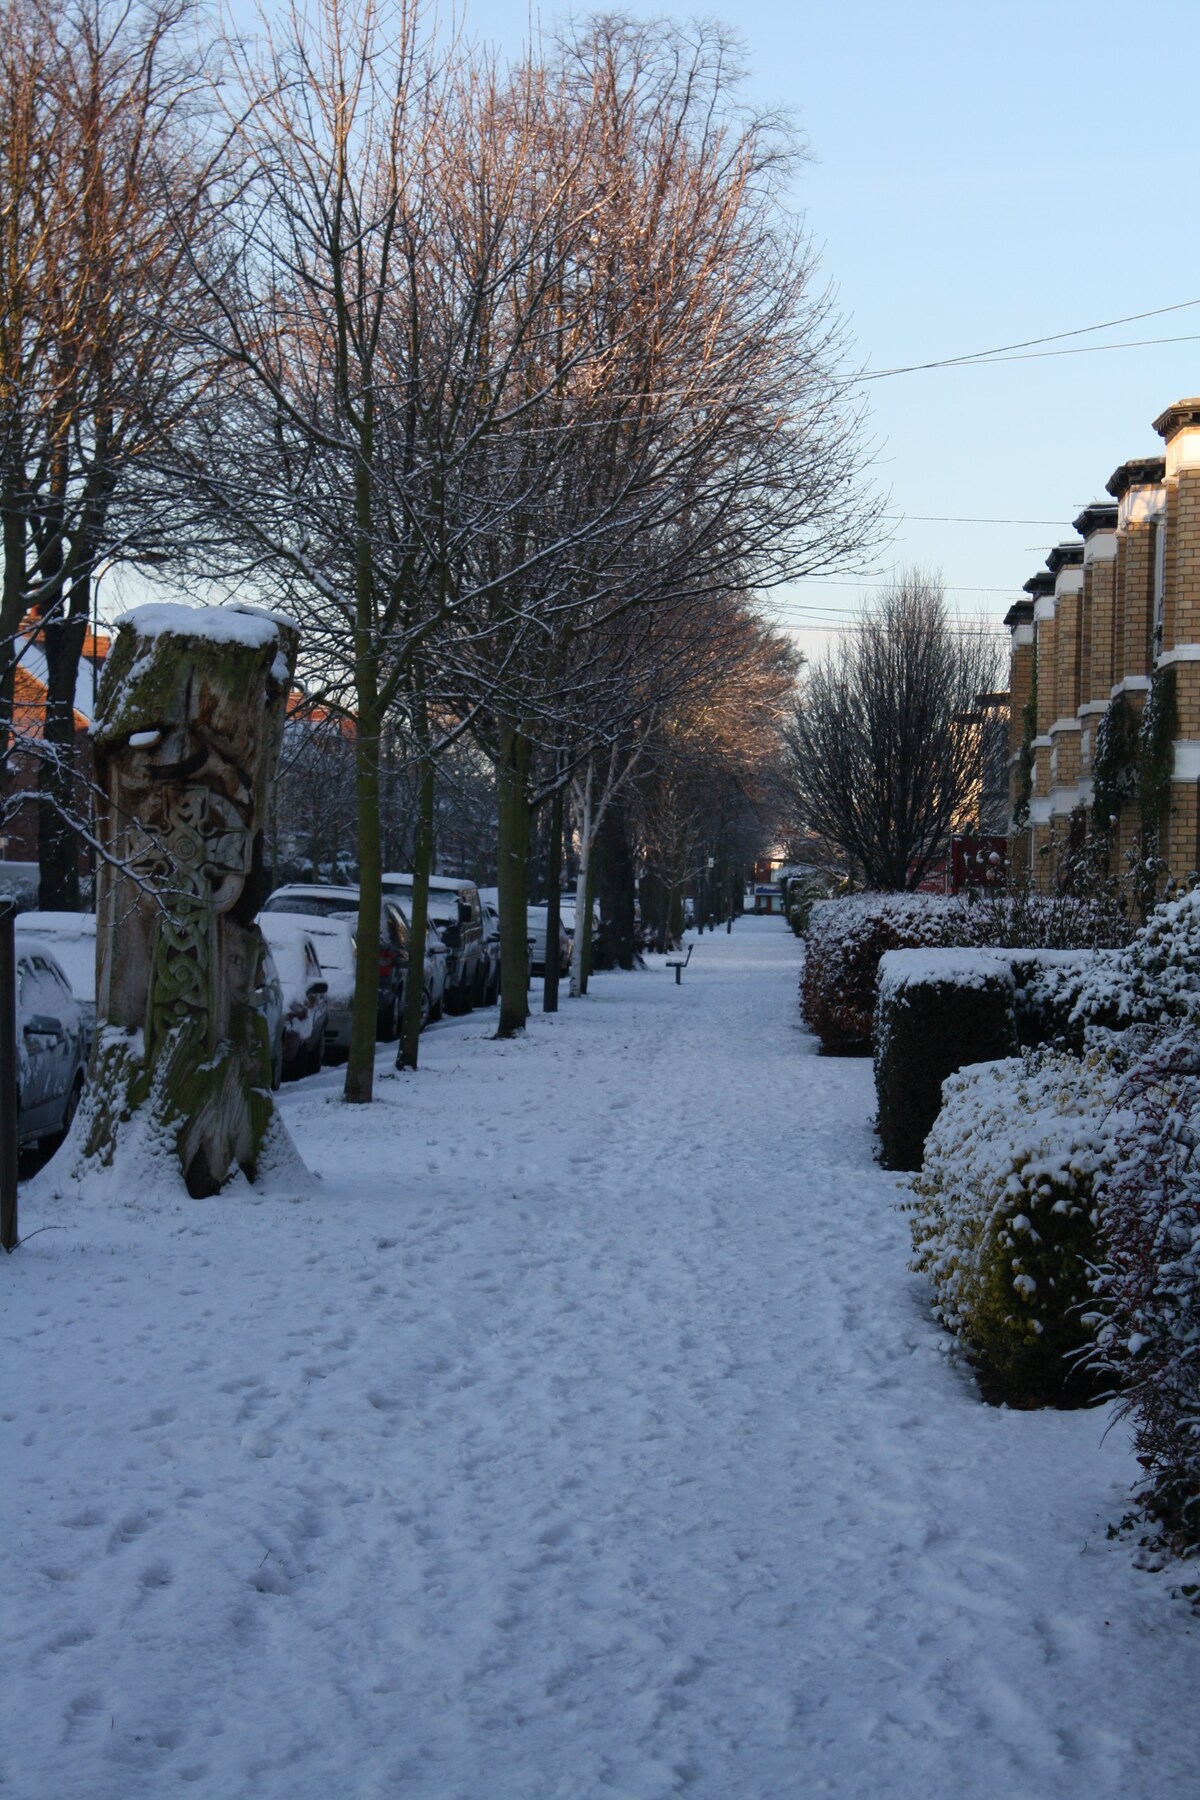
(1004, 1218)
(937, 1011)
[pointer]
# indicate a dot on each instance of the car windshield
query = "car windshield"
(319, 906)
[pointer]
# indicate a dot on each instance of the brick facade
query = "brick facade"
(1106, 614)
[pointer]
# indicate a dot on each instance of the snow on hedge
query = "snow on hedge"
(845, 940)
(900, 969)
(1003, 1214)
(1154, 980)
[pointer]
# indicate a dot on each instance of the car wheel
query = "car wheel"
(397, 1021)
(436, 1009)
(426, 1008)
(316, 1056)
(277, 1070)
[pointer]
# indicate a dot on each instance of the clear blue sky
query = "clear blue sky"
(986, 174)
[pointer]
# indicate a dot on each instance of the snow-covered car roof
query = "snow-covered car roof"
(290, 936)
(333, 938)
(70, 939)
(322, 899)
(442, 903)
(29, 948)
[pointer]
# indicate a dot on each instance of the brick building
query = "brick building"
(19, 780)
(1111, 627)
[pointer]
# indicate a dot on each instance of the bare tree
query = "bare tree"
(105, 172)
(880, 758)
(706, 444)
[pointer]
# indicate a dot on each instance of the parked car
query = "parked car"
(455, 909)
(538, 917)
(436, 958)
(51, 1044)
(268, 997)
(72, 939)
(333, 941)
(491, 941)
(312, 901)
(305, 1003)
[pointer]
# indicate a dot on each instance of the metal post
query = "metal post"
(8, 1076)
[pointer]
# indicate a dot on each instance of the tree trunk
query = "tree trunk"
(615, 884)
(422, 867)
(513, 877)
(553, 903)
(59, 798)
(360, 1070)
(585, 925)
(586, 830)
(12, 607)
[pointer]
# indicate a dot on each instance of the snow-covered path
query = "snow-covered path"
(583, 1436)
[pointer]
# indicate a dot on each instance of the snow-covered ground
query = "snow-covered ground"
(580, 1434)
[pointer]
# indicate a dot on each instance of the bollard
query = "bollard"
(8, 1077)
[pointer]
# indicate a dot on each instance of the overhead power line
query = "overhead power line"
(1026, 347)
(960, 519)
(823, 581)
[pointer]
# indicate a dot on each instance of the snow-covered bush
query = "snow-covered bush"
(1149, 1285)
(846, 938)
(1003, 1216)
(937, 1011)
(844, 942)
(1154, 980)
(800, 894)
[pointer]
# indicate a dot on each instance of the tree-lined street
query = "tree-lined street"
(602, 1447)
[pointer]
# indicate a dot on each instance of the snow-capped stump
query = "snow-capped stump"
(1004, 1217)
(937, 1011)
(188, 725)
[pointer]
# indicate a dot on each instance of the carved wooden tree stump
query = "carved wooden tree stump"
(189, 720)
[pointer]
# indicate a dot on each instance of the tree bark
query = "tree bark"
(513, 876)
(553, 903)
(422, 867)
(587, 828)
(584, 926)
(615, 884)
(59, 797)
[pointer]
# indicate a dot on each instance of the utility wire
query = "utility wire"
(958, 519)
(1001, 352)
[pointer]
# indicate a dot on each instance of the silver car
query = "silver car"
(51, 1045)
(71, 937)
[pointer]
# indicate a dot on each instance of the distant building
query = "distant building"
(19, 826)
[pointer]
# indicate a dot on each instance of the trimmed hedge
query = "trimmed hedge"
(846, 938)
(843, 945)
(937, 1011)
(1004, 1218)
